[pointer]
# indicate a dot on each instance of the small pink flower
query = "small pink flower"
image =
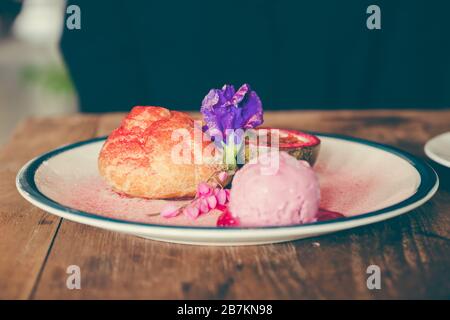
(221, 197)
(212, 201)
(223, 176)
(170, 211)
(204, 208)
(191, 212)
(203, 189)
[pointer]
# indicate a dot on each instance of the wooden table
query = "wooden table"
(413, 250)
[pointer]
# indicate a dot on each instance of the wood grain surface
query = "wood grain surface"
(412, 251)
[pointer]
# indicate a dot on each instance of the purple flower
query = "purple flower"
(230, 109)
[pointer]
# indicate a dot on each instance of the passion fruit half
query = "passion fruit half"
(301, 145)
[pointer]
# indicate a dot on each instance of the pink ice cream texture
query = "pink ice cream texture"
(289, 196)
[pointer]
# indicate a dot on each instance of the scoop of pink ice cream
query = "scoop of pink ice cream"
(289, 195)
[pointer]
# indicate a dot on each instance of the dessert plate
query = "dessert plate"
(438, 149)
(366, 181)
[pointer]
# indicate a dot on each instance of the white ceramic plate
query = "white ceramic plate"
(438, 149)
(366, 181)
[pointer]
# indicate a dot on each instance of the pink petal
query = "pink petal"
(212, 202)
(227, 192)
(223, 176)
(191, 212)
(221, 197)
(204, 208)
(170, 211)
(203, 189)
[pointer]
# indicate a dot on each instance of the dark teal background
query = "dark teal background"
(294, 53)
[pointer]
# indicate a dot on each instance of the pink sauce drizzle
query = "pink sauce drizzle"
(325, 215)
(227, 220)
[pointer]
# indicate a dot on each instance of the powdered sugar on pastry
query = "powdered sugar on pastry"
(136, 159)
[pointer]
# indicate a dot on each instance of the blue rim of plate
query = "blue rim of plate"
(428, 180)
